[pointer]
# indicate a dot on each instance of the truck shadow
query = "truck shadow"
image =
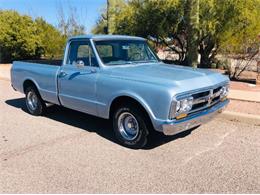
(90, 123)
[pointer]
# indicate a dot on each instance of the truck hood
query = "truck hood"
(180, 78)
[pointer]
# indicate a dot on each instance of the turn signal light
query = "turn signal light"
(223, 99)
(183, 115)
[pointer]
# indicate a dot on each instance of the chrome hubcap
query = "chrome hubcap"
(128, 126)
(32, 100)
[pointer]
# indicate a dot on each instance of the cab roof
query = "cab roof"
(106, 37)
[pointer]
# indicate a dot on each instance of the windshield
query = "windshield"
(118, 52)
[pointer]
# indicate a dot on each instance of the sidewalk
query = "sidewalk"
(244, 91)
(251, 96)
(244, 104)
(5, 71)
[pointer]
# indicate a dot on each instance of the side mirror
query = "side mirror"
(80, 64)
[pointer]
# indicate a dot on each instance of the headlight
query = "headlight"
(224, 92)
(178, 106)
(186, 105)
(181, 106)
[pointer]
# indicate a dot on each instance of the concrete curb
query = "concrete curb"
(243, 100)
(236, 116)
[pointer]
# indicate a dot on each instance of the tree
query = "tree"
(18, 37)
(160, 21)
(70, 26)
(21, 37)
(108, 17)
(209, 26)
(242, 28)
(227, 27)
(51, 41)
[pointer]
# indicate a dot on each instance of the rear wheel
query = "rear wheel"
(131, 126)
(35, 104)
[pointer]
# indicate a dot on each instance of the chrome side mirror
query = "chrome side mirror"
(80, 64)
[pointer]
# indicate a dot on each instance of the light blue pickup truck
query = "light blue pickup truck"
(121, 78)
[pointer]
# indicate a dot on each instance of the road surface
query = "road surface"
(70, 152)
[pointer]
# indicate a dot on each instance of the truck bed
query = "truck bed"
(43, 73)
(47, 62)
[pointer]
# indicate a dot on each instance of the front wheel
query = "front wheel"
(131, 126)
(35, 104)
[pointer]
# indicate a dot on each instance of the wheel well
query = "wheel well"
(122, 100)
(28, 83)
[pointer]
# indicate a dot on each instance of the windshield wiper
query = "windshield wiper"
(145, 61)
(119, 62)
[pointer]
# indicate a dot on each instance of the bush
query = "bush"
(21, 37)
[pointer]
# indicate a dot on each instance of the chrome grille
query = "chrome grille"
(205, 99)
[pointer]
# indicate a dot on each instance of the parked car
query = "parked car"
(121, 78)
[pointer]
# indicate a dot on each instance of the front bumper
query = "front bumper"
(13, 87)
(194, 120)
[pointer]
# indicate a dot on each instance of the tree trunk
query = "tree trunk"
(205, 56)
(207, 50)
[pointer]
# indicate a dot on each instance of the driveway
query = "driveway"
(70, 152)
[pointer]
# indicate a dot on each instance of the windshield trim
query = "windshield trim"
(128, 62)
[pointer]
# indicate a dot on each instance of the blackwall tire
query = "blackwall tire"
(130, 125)
(34, 103)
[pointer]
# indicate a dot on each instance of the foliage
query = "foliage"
(224, 26)
(51, 41)
(242, 28)
(21, 37)
(18, 37)
(115, 7)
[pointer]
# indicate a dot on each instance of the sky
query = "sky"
(88, 10)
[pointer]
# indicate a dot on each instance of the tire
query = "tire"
(34, 103)
(131, 126)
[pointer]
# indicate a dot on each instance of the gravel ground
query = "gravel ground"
(70, 152)
(244, 107)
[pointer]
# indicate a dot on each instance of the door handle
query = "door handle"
(62, 74)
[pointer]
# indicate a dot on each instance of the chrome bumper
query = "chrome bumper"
(194, 120)
(13, 87)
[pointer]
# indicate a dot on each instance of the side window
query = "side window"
(81, 51)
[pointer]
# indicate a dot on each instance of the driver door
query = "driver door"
(78, 77)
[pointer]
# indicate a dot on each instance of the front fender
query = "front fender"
(134, 96)
(155, 99)
(158, 111)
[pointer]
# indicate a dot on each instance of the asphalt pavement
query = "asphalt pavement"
(69, 152)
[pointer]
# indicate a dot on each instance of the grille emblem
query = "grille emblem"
(210, 96)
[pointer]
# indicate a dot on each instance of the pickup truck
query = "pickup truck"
(122, 79)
